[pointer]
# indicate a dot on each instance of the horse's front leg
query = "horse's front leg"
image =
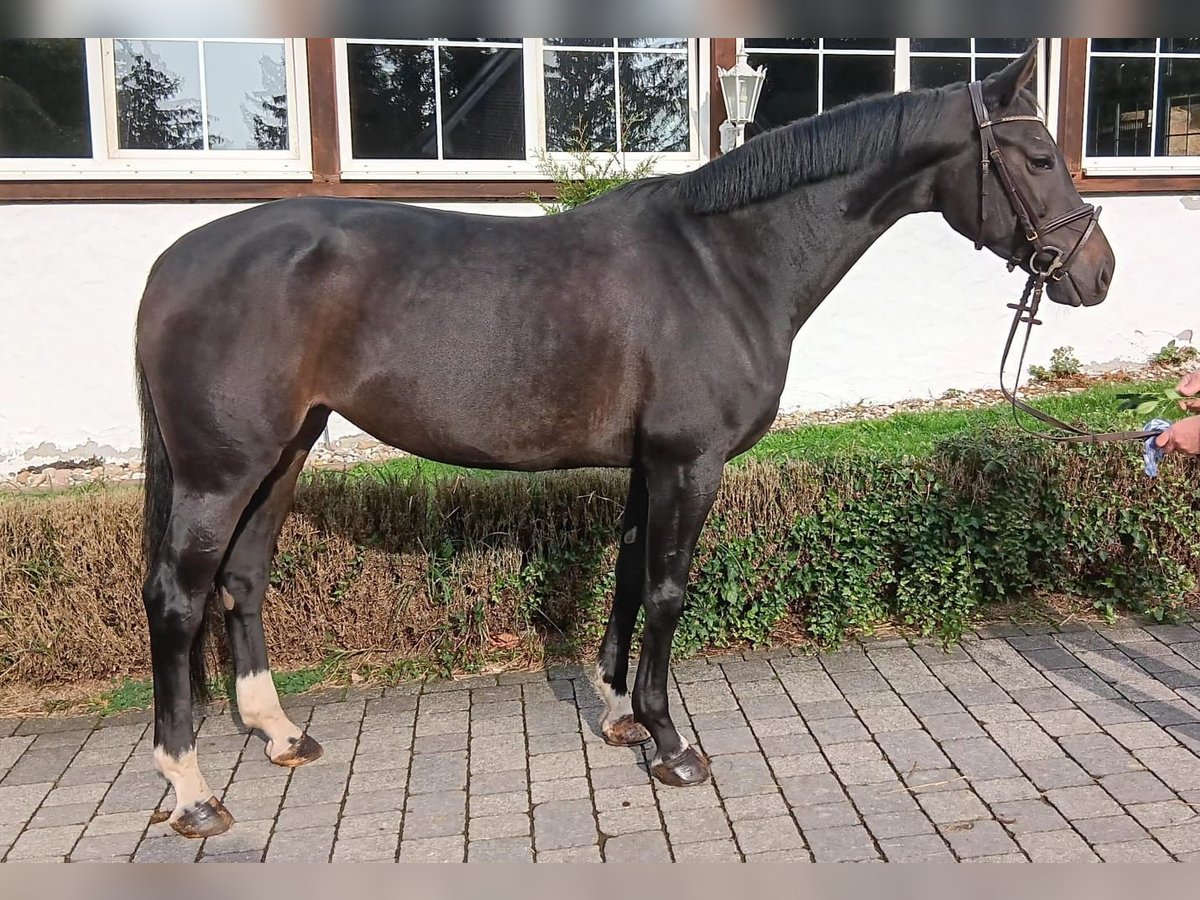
(680, 497)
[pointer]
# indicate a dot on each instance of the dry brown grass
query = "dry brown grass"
(473, 573)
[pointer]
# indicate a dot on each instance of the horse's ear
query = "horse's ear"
(1001, 89)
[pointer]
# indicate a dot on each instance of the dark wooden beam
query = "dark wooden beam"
(323, 106)
(1071, 111)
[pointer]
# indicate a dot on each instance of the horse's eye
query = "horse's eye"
(1044, 163)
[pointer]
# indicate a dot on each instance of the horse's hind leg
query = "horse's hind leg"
(177, 589)
(244, 579)
(612, 669)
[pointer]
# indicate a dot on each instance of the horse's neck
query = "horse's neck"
(808, 239)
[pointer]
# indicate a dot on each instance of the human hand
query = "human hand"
(1189, 386)
(1182, 437)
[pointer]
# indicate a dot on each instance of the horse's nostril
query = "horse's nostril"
(1105, 277)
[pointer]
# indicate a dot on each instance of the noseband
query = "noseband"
(1045, 261)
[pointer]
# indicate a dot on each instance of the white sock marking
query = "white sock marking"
(617, 706)
(184, 775)
(258, 705)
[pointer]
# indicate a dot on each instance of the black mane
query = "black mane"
(835, 143)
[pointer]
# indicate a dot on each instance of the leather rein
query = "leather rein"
(1045, 262)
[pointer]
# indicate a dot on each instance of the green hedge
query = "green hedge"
(462, 573)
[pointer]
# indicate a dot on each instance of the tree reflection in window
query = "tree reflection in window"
(201, 95)
(437, 98)
(628, 95)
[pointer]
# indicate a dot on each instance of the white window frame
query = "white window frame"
(1135, 165)
(904, 55)
(109, 162)
(699, 100)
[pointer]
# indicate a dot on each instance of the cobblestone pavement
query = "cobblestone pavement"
(1020, 745)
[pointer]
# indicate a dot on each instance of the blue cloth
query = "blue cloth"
(1153, 454)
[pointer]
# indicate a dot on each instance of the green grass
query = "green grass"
(904, 434)
(139, 693)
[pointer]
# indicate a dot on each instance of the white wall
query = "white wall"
(920, 314)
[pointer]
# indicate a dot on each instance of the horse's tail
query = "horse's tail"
(158, 489)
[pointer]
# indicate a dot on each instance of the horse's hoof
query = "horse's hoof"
(301, 750)
(624, 732)
(688, 767)
(201, 820)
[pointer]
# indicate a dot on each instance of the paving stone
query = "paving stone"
(499, 782)
(1099, 754)
(1084, 802)
(849, 844)
(763, 835)
(933, 703)
(630, 819)
(915, 849)
(728, 740)
(1000, 790)
(117, 823)
(379, 848)
(1136, 787)
(568, 788)
(1063, 846)
(814, 816)
(802, 764)
(1161, 814)
(945, 807)
(707, 851)
(1027, 816)
(1048, 774)
(245, 836)
(1177, 839)
(980, 758)
(369, 825)
(303, 845)
(501, 850)
(911, 751)
(106, 846)
(438, 772)
(56, 841)
(978, 839)
(435, 815)
(1118, 829)
(888, 797)
(589, 854)
(560, 824)
(742, 774)
(888, 719)
(643, 847)
(301, 818)
(553, 743)
(172, 849)
(1133, 852)
(450, 849)
(68, 814)
(897, 824)
(755, 806)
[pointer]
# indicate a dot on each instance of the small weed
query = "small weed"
(1063, 364)
(1174, 354)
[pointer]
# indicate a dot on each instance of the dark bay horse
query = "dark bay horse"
(649, 329)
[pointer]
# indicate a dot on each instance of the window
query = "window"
(489, 107)
(437, 99)
(806, 76)
(44, 99)
(1142, 105)
(152, 108)
(935, 62)
(617, 95)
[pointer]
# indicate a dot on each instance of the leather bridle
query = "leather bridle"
(1043, 259)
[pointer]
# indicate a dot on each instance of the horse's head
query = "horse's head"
(1023, 205)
